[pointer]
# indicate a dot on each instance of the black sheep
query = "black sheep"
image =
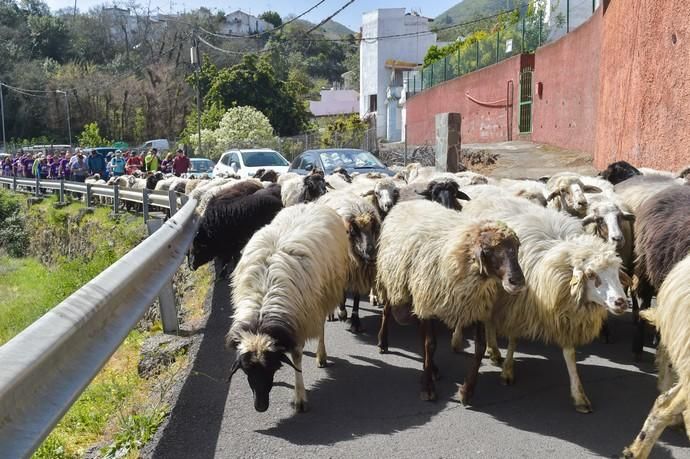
(229, 222)
(619, 171)
(662, 239)
(446, 193)
(153, 179)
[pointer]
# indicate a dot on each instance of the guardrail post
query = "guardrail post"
(145, 204)
(38, 185)
(62, 190)
(184, 198)
(166, 297)
(172, 198)
(116, 198)
(14, 183)
(88, 195)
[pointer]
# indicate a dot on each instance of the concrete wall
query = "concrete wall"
(644, 114)
(481, 122)
(566, 112)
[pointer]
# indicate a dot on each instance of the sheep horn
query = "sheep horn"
(591, 189)
(628, 216)
(589, 219)
(368, 193)
(553, 195)
(285, 359)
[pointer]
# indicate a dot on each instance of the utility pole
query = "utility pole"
(2, 111)
(69, 124)
(194, 57)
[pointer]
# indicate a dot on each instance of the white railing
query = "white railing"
(45, 368)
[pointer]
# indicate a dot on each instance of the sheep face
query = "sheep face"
(497, 253)
(259, 359)
(201, 252)
(619, 172)
(570, 197)
(153, 179)
(595, 282)
(343, 173)
(446, 193)
(363, 232)
(608, 219)
(315, 186)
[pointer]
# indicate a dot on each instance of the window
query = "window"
(262, 159)
(372, 103)
(307, 161)
(234, 158)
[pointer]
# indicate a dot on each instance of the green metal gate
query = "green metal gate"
(525, 119)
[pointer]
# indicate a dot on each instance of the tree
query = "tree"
(272, 18)
(48, 37)
(91, 136)
(253, 83)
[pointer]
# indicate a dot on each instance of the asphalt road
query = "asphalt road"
(366, 404)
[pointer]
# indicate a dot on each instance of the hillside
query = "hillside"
(331, 29)
(469, 10)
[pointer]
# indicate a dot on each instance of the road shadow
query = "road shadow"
(195, 421)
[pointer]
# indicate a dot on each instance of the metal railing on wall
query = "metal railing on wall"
(48, 365)
(522, 36)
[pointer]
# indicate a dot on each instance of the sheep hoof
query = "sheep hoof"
(583, 408)
(627, 454)
(464, 395)
(507, 379)
(457, 348)
(355, 324)
(383, 349)
(427, 395)
(330, 318)
(321, 363)
(495, 357)
(300, 406)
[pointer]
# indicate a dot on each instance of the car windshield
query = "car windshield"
(262, 159)
(349, 159)
(201, 165)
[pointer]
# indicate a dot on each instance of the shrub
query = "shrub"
(13, 237)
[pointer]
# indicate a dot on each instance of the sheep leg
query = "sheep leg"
(494, 352)
(300, 401)
(456, 339)
(342, 312)
(428, 392)
(373, 299)
(667, 406)
(582, 403)
(321, 349)
(467, 389)
(355, 324)
(383, 331)
(645, 293)
(507, 373)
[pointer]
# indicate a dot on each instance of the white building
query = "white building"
(335, 102)
(120, 22)
(380, 80)
(241, 23)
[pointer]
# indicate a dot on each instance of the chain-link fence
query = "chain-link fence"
(507, 40)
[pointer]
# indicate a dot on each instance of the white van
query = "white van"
(158, 144)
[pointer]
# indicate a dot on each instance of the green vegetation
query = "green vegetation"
(13, 236)
(344, 131)
(91, 136)
(468, 11)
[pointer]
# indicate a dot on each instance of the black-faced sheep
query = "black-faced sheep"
(230, 220)
(435, 263)
(672, 318)
(302, 189)
(618, 172)
(573, 279)
(445, 192)
(291, 276)
(153, 180)
(363, 225)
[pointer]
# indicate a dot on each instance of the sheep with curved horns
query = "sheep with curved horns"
(304, 188)
(230, 220)
(573, 279)
(567, 193)
(291, 276)
(672, 318)
(662, 239)
(363, 225)
(435, 263)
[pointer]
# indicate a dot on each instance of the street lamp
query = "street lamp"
(69, 125)
(194, 58)
(2, 112)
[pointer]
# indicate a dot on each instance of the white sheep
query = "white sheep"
(672, 318)
(383, 193)
(572, 280)
(434, 262)
(290, 277)
(567, 193)
(363, 225)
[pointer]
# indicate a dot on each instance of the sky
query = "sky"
(351, 16)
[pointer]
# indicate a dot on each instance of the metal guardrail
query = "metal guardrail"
(164, 199)
(45, 368)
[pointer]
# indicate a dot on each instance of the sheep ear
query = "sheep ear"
(553, 195)
(544, 178)
(425, 193)
(329, 186)
(576, 284)
(591, 189)
(628, 217)
(286, 360)
(463, 196)
(479, 256)
(625, 279)
(235, 366)
(368, 193)
(589, 219)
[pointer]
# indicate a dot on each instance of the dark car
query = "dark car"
(330, 159)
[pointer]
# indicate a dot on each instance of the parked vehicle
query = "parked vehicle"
(159, 144)
(199, 166)
(329, 159)
(106, 152)
(245, 163)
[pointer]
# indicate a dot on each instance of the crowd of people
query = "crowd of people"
(79, 165)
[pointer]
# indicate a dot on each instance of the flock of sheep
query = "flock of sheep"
(543, 260)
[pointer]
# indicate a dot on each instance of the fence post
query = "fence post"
(88, 195)
(567, 16)
(445, 68)
(172, 198)
(145, 204)
(167, 305)
(541, 22)
(62, 190)
(116, 198)
(14, 183)
(498, 41)
(523, 48)
(458, 57)
(477, 66)
(38, 185)
(432, 75)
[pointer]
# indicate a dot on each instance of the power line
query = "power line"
(226, 51)
(350, 2)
